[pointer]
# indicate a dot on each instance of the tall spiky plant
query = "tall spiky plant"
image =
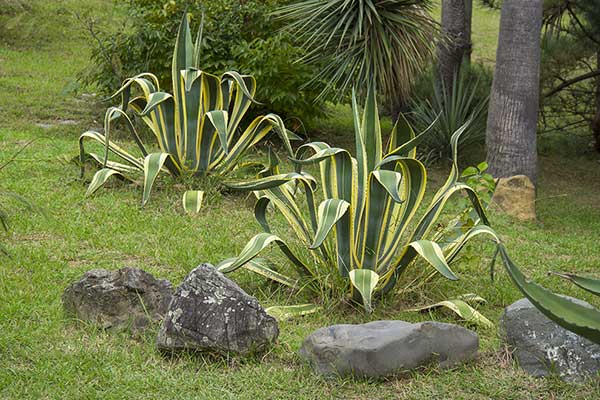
(382, 42)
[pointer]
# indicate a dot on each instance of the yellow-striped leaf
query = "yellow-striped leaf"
(433, 254)
(257, 244)
(365, 281)
(100, 179)
(330, 212)
(152, 166)
(462, 309)
(282, 313)
(192, 200)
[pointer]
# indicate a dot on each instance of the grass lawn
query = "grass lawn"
(45, 356)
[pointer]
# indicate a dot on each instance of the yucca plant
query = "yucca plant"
(452, 108)
(364, 228)
(197, 128)
(360, 42)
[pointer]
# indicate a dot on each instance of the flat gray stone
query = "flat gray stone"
(383, 348)
(209, 312)
(542, 347)
(126, 298)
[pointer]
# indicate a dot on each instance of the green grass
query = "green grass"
(44, 355)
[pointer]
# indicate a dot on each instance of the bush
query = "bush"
(238, 35)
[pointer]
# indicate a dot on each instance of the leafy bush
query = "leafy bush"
(452, 108)
(358, 235)
(238, 35)
(197, 128)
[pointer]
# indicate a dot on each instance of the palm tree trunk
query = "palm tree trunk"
(468, 23)
(454, 45)
(514, 100)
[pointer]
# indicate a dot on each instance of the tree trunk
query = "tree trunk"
(454, 45)
(596, 121)
(514, 100)
(468, 24)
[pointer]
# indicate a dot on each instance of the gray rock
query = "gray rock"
(209, 312)
(383, 348)
(127, 298)
(542, 347)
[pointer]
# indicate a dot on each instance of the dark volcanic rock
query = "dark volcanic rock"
(384, 348)
(119, 299)
(541, 346)
(210, 312)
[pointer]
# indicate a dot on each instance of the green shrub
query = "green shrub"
(238, 35)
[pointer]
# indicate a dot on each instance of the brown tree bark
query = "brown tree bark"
(514, 100)
(454, 45)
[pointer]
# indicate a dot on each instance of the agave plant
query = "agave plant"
(578, 318)
(197, 128)
(364, 227)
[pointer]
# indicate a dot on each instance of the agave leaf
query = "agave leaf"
(257, 244)
(113, 147)
(262, 267)
(390, 181)
(408, 149)
(152, 166)
(462, 309)
(371, 131)
(192, 200)
(365, 281)
(154, 99)
(577, 318)
(296, 221)
(468, 297)
(282, 313)
(589, 284)
(219, 120)
(271, 182)
(433, 254)
(402, 132)
(330, 212)
(99, 179)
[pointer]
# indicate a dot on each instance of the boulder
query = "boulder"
(516, 197)
(541, 346)
(211, 313)
(126, 298)
(383, 348)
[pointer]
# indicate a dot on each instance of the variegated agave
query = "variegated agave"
(197, 128)
(365, 226)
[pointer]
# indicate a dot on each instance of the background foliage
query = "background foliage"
(452, 108)
(238, 35)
